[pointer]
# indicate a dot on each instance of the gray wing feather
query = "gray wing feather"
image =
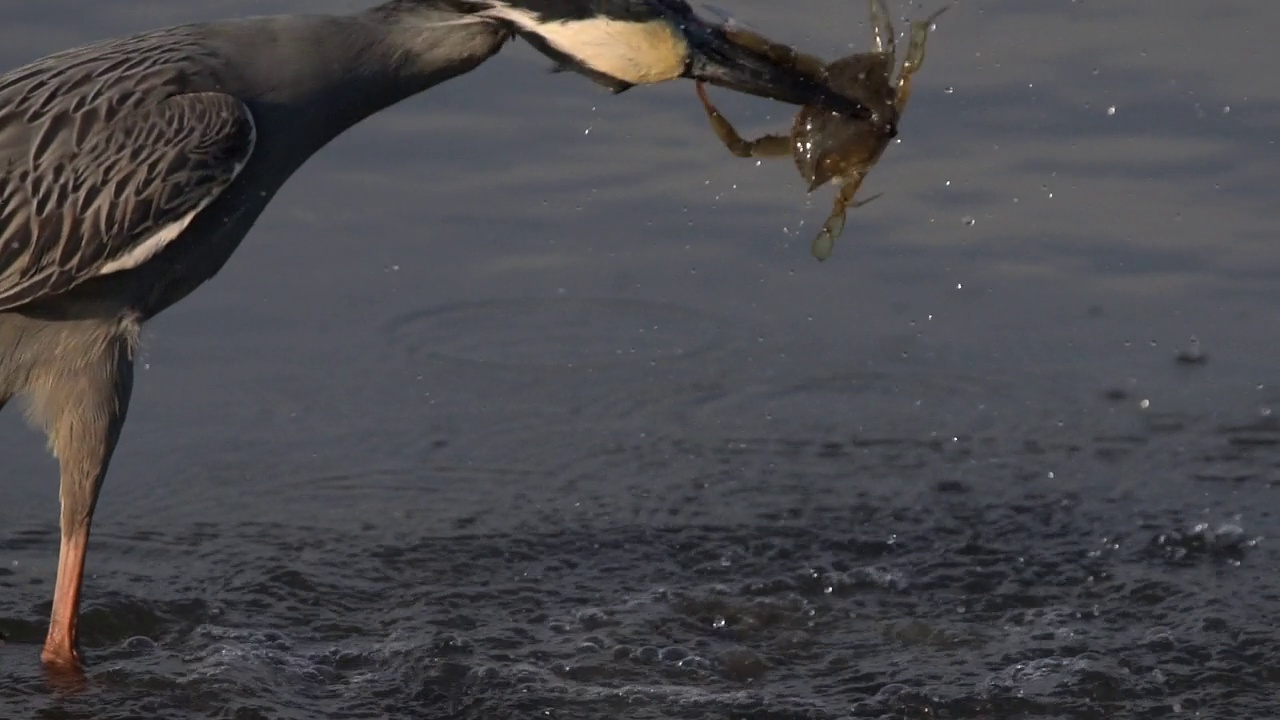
(103, 148)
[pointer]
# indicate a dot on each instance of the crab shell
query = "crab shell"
(831, 146)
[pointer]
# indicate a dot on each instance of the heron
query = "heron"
(132, 168)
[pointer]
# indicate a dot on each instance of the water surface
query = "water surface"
(528, 400)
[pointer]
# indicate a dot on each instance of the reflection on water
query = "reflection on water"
(559, 333)
(525, 399)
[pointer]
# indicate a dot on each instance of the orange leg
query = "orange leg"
(83, 411)
(61, 649)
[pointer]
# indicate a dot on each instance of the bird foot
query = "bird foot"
(62, 670)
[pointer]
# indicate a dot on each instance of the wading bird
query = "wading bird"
(131, 169)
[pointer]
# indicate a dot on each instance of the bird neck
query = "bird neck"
(413, 45)
(325, 73)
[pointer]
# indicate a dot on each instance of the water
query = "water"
(524, 400)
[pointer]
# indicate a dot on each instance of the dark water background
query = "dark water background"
(528, 401)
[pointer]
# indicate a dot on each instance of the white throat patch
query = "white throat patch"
(638, 53)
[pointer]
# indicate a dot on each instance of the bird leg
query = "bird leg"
(83, 409)
(767, 146)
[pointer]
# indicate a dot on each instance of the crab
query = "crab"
(829, 147)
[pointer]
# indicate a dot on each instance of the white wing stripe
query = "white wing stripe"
(148, 248)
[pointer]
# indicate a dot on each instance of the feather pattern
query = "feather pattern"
(106, 152)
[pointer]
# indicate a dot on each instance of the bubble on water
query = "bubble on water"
(1192, 354)
(269, 651)
(741, 664)
(673, 654)
(140, 645)
(1225, 541)
(1159, 635)
(969, 220)
(1111, 110)
(1039, 677)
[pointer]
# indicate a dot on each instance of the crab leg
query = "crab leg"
(777, 52)
(825, 242)
(914, 57)
(882, 28)
(767, 146)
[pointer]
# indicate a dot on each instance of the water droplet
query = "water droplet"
(1111, 110)
(969, 220)
(948, 90)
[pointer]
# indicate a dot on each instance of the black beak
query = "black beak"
(716, 59)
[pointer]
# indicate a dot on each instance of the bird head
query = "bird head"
(624, 43)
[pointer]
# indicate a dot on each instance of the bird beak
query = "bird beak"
(715, 58)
